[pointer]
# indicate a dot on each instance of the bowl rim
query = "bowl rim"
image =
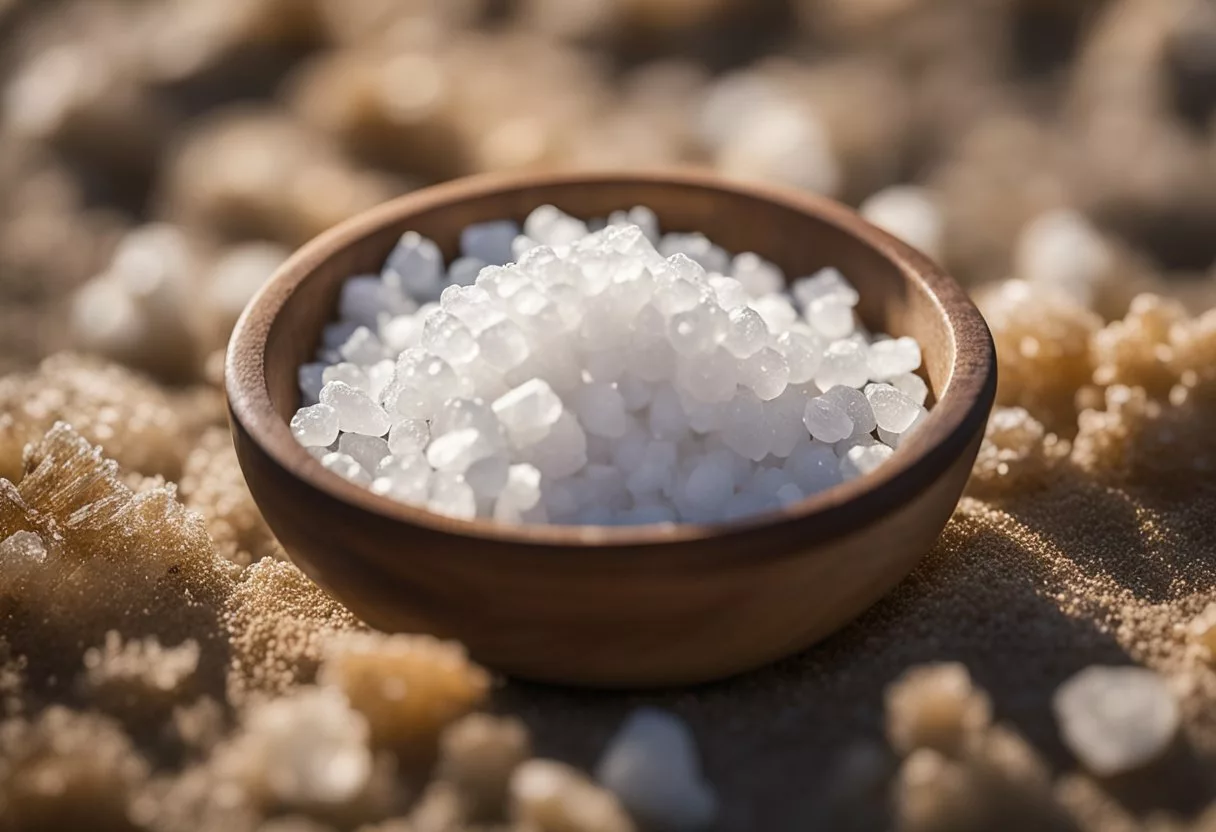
(952, 423)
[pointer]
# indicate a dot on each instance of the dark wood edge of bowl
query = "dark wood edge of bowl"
(960, 411)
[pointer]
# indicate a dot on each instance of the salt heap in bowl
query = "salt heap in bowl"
(608, 377)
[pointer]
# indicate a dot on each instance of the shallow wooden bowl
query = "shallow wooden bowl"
(617, 607)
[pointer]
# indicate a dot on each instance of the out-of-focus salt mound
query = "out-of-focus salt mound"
(82, 554)
(278, 622)
(212, 484)
(145, 428)
(67, 770)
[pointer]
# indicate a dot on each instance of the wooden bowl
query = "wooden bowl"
(617, 607)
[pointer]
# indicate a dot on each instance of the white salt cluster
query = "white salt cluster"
(615, 377)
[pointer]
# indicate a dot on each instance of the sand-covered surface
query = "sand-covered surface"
(163, 667)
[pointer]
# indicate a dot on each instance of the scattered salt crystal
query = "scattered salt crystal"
(617, 377)
(22, 547)
(315, 425)
(1116, 719)
(357, 413)
(651, 765)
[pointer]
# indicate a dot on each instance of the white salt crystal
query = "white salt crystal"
(653, 473)
(529, 411)
(651, 765)
(487, 476)
(912, 386)
(667, 417)
(311, 378)
(862, 459)
(826, 420)
(813, 467)
(699, 329)
(401, 332)
(21, 548)
(409, 436)
(831, 317)
(406, 477)
(758, 276)
(803, 351)
(551, 226)
(503, 344)
(347, 373)
(456, 450)
(447, 337)
(825, 284)
(711, 482)
(766, 373)
(379, 376)
(747, 333)
(639, 216)
(562, 451)
(712, 377)
(366, 298)
(893, 357)
(335, 335)
(363, 347)
(368, 451)
(844, 362)
(464, 270)
(784, 415)
(746, 432)
(490, 241)
(347, 468)
(776, 310)
(635, 392)
(415, 268)
(729, 293)
(1116, 719)
(856, 405)
(630, 450)
(452, 496)
(893, 410)
(696, 247)
(601, 410)
(896, 439)
(357, 413)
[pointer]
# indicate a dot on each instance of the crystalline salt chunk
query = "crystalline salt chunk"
(563, 450)
(347, 373)
(368, 451)
(766, 373)
(831, 318)
(711, 482)
(893, 410)
(803, 352)
(893, 357)
(844, 362)
(529, 411)
(409, 437)
(758, 276)
(696, 247)
(363, 347)
(813, 467)
(667, 418)
(448, 337)
(824, 285)
(415, 267)
(862, 459)
(504, 344)
(347, 468)
(311, 379)
(747, 333)
(912, 386)
(452, 496)
(489, 242)
(357, 413)
(464, 271)
(552, 227)
(856, 404)
(601, 410)
(827, 421)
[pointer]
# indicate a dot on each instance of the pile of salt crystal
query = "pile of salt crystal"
(614, 377)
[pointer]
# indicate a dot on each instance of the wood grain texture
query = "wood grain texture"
(617, 607)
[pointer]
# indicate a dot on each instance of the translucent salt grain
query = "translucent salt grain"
(550, 226)
(1116, 719)
(503, 344)
(813, 467)
(912, 386)
(758, 276)
(855, 403)
(746, 334)
(826, 284)
(364, 299)
(803, 352)
(489, 242)
(415, 267)
(488, 476)
(601, 410)
(667, 417)
(347, 373)
(562, 451)
(844, 363)
(456, 450)
(893, 357)
(379, 376)
(896, 439)
(311, 378)
(745, 431)
(357, 413)
(346, 467)
(403, 477)
(893, 410)
(368, 451)
(464, 270)
(652, 766)
(766, 373)
(409, 436)
(452, 496)
(363, 347)
(862, 459)
(776, 310)
(696, 247)
(640, 216)
(826, 420)
(831, 317)
(529, 411)
(710, 483)
(730, 293)
(315, 426)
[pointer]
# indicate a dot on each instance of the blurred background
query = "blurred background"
(159, 157)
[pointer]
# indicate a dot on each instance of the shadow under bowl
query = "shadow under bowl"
(617, 607)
